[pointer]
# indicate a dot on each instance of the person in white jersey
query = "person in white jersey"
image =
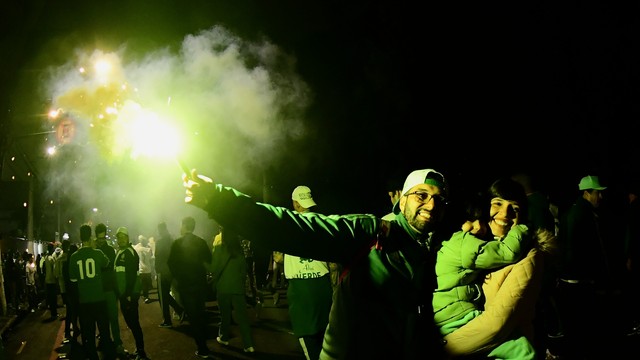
(310, 291)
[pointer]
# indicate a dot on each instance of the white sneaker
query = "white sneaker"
(250, 349)
(223, 342)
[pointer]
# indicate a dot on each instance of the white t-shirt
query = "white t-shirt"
(300, 268)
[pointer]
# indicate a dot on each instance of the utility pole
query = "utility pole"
(30, 211)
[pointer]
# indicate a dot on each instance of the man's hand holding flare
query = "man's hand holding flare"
(198, 189)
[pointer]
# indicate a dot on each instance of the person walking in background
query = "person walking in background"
(167, 301)
(62, 258)
(50, 282)
(31, 270)
(71, 326)
(382, 307)
(229, 277)
(128, 288)
(310, 290)
(85, 270)
(62, 271)
(146, 266)
(189, 261)
(584, 268)
(109, 282)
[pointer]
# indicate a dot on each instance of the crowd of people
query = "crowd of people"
(502, 273)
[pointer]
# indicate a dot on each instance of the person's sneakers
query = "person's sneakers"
(165, 325)
(204, 354)
(147, 301)
(250, 349)
(223, 342)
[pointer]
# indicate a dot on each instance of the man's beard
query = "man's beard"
(421, 225)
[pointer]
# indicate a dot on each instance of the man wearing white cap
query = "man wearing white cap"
(585, 268)
(309, 292)
(382, 305)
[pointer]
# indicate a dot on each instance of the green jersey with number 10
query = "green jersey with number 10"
(85, 269)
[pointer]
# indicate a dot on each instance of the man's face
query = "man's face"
(123, 240)
(423, 207)
(594, 197)
(101, 238)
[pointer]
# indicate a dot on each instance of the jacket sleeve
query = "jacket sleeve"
(312, 235)
(495, 254)
(511, 295)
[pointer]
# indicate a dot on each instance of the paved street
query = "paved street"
(31, 338)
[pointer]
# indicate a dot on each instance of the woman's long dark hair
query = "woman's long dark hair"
(477, 205)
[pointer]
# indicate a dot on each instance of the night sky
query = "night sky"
(476, 90)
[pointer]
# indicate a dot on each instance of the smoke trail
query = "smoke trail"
(234, 105)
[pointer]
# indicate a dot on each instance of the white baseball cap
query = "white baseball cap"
(302, 194)
(417, 177)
